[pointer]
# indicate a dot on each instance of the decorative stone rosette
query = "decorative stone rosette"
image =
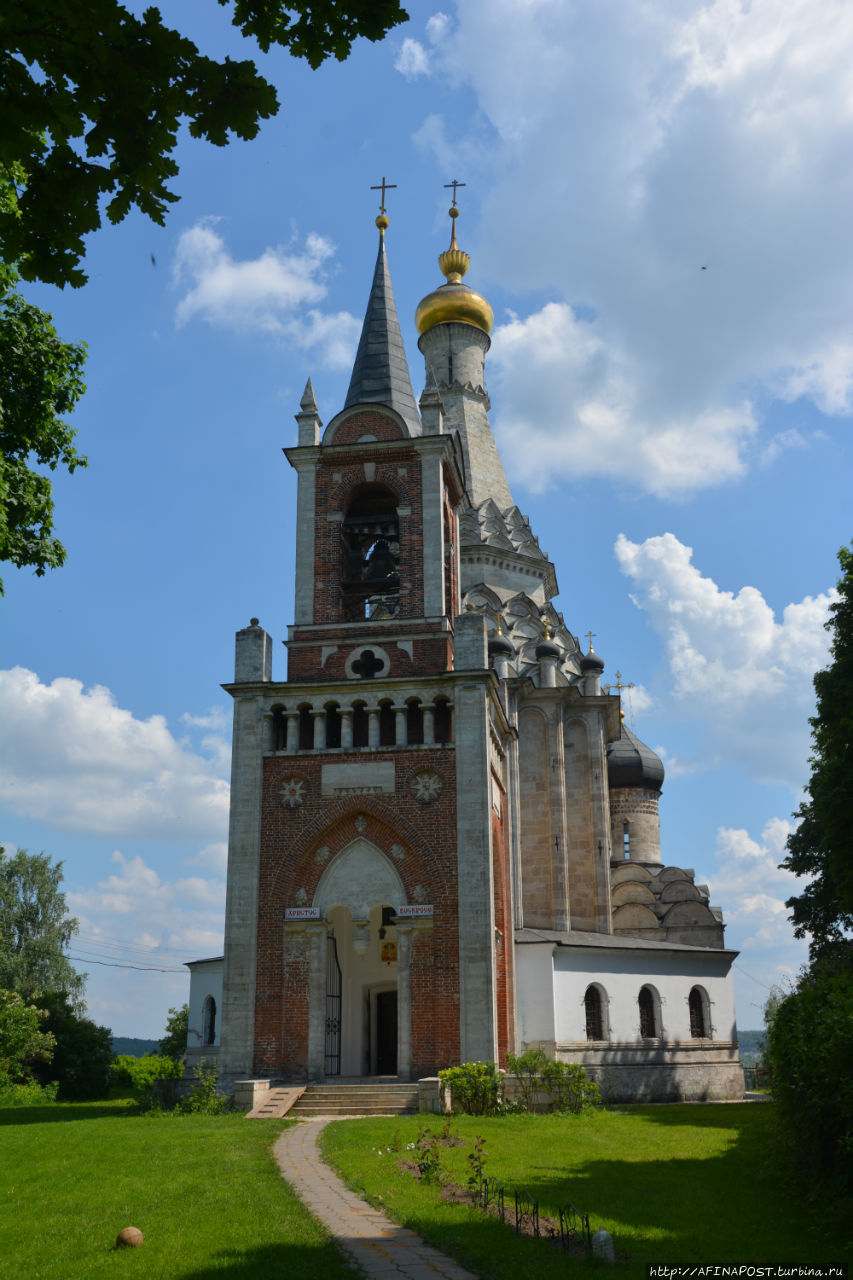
(291, 793)
(425, 785)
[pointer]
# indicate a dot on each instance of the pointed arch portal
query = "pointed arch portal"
(363, 1014)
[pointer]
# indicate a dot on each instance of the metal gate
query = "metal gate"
(333, 1009)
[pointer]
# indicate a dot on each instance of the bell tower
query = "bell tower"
(368, 904)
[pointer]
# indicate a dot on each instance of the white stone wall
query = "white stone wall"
(552, 982)
(621, 972)
(205, 980)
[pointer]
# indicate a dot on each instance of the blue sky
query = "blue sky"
(679, 436)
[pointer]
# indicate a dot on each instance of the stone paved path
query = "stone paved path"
(381, 1248)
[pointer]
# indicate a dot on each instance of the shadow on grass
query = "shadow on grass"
(740, 1205)
(271, 1262)
(56, 1112)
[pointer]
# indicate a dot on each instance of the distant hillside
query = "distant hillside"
(135, 1047)
(749, 1042)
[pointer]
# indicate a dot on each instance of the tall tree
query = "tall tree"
(35, 928)
(821, 847)
(40, 382)
(93, 98)
(23, 1039)
(174, 1042)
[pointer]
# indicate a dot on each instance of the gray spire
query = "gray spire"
(380, 374)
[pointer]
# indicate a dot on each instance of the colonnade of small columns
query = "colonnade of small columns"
(359, 725)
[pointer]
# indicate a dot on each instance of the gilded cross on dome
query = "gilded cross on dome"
(383, 186)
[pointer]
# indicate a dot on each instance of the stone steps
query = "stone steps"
(378, 1099)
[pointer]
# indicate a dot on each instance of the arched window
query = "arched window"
(306, 729)
(414, 723)
(333, 725)
(387, 725)
(593, 1008)
(208, 1021)
(279, 729)
(359, 725)
(699, 1021)
(443, 721)
(649, 1028)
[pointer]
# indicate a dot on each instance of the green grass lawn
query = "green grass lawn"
(204, 1190)
(695, 1185)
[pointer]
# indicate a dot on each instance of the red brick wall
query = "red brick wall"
(367, 423)
(289, 842)
(431, 655)
(335, 495)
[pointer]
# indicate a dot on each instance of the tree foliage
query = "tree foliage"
(23, 1039)
(822, 845)
(83, 1053)
(40, 382)
(174, 1042)
(809, 1046)
(35, 928)
(94, 96)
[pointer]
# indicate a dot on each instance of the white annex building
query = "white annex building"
(444, 842)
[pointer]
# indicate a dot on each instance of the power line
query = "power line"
(117, 964)
(740, 969)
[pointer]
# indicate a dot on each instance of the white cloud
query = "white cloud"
(213, 857)
(215, 718)
(136, 931)
(412, 60)
(736, 670)
(781, 443)
(622, 149)
(276, 293)
(748, 882)
(74, 759)
(564, 393)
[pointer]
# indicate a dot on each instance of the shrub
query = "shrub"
(475, 1088)
(570, 1087)
(810, 1047)
(203, 1098)
(527, 1067)
(139, 1074)
(567, 1086)
(27, 1094)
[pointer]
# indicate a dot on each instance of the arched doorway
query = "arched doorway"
(363, 1024)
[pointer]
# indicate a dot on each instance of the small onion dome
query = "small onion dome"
(591, 663)
(547, 649)
(500, 647)
(454, 301)
(630, 763)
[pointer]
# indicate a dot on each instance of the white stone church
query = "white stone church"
(444, 840)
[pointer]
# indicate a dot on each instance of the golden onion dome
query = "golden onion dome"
(454, 301)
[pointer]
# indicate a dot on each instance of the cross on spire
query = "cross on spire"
(383, 187)
(589, 636)
(619, 686)
(454, 184)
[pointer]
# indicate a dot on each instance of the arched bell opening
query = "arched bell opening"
(370, 555)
